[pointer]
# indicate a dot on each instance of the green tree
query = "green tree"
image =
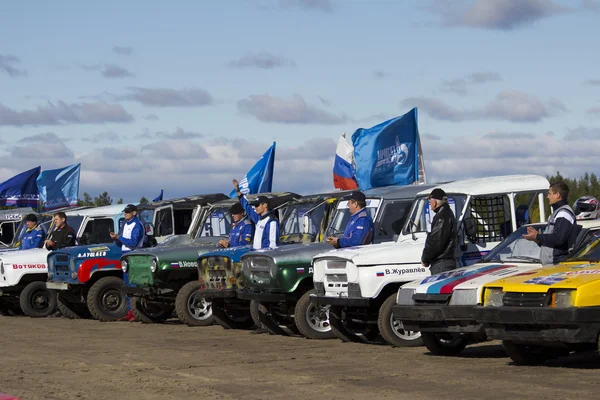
(120, 201)
(144, 200)
(86, 200)
(103, 200)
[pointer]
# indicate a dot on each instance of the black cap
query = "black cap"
(358, 196)
(261, 199)
(438, 194)
(31, 217)
(236, 209)
(130, 208)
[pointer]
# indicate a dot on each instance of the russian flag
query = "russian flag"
(343, 166)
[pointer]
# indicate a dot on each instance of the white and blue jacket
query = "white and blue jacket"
(132, 235)
(32, 239)
(266, 233)
(359, 230)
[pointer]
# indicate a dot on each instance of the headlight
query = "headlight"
(493, 297)
(211, 261)
(124, 265)
(153, 265)
(405, 297)
(465, 297)
(562, 298)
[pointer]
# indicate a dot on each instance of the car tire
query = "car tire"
(254, 311)
(392, 330)
(525, 354)
(311, 320)
(70, 309)
(106, 301)
(149, 312)
(187, 312)
(37, 301)
(439, 346)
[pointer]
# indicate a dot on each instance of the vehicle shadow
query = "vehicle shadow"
(484, 351)
(590, 360)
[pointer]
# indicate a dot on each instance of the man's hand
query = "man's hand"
(48, 243)
(531, 234)
(332, 240)
(425, 264)
(113, 236)
(236, 185)
(223, 243)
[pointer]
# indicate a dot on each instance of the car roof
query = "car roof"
(495, 185)
(186, 202)
(396, 192)
(276, 198)
(113, 209)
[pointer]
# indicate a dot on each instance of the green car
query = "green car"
(157, 274)
(221, 281)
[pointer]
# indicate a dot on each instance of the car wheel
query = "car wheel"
(392, 330)
(106, 301)
(441, 346)
(36, 301)
(192, 307)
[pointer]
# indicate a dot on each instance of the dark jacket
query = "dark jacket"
(560, 234)
(441, 241)
(63, 237)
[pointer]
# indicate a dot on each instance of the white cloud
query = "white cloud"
(262, 60)
(268, 108)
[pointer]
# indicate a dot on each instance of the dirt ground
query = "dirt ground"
(57, 358)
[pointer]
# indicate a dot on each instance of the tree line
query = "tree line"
(102, 199)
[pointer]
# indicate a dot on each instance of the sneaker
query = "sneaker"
(128, 317)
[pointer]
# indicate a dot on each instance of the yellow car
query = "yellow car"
(546, 313)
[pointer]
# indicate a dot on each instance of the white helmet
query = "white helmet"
(587, 207)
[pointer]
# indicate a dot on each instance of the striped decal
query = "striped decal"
(448, 284)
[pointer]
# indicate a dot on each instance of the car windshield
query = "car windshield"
(217, 222)
(43, 220)
(588, 251)
(421, 215)
(342, 216)
(516, 249)
(291, 223)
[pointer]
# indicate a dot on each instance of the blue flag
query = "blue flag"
(260, 177)
(159, 197)
(388, 153)
(21, 190)
(59, 187)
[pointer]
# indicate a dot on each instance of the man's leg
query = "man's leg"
(442, 266)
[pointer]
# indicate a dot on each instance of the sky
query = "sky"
(184, 96)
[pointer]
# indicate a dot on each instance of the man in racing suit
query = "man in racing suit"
(242, 230)
(62, 235)
(266, 235)
(440, 245)
(34, 236)
(131, 237)
(359, 230)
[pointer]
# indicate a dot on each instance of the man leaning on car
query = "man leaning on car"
(440, 245)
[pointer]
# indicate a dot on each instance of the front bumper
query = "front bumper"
(219, 293)
(340, 301)
(439, 318)
(262, 296)
(541, 324)
(57, 286)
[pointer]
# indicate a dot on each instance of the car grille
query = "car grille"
(139, 270)
(422, 298)
(60, 265)
(516, 299)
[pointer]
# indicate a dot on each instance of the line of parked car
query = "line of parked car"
(374, 293)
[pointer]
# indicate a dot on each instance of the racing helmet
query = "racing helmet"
(587, 207)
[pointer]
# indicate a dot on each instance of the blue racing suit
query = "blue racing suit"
(241, 233)
(266, 235)
(32, 239)
(359, 230)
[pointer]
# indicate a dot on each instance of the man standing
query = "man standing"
(266, 235)
(131, 237)
(62, 235)
(34, 236)
(440, 245)
(561, 231)
(242, 230)
(359, 230)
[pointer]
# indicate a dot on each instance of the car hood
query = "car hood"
(563, 276)
(186, 252)
(391, 253)
(471, 277)
(234, 253)
(291, 253)
(92, 251)
(24, 256)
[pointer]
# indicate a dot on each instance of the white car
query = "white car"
(23, 273)
(443, 306)
(361, 283)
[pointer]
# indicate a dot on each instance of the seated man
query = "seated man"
(242, 230)
(359, 230)
(34, 236)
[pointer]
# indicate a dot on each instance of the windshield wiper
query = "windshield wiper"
(491, 260)
(523, 258)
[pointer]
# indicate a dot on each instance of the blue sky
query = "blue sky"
(186, 95)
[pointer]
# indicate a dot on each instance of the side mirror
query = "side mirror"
(470, 227)
(306, 224)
